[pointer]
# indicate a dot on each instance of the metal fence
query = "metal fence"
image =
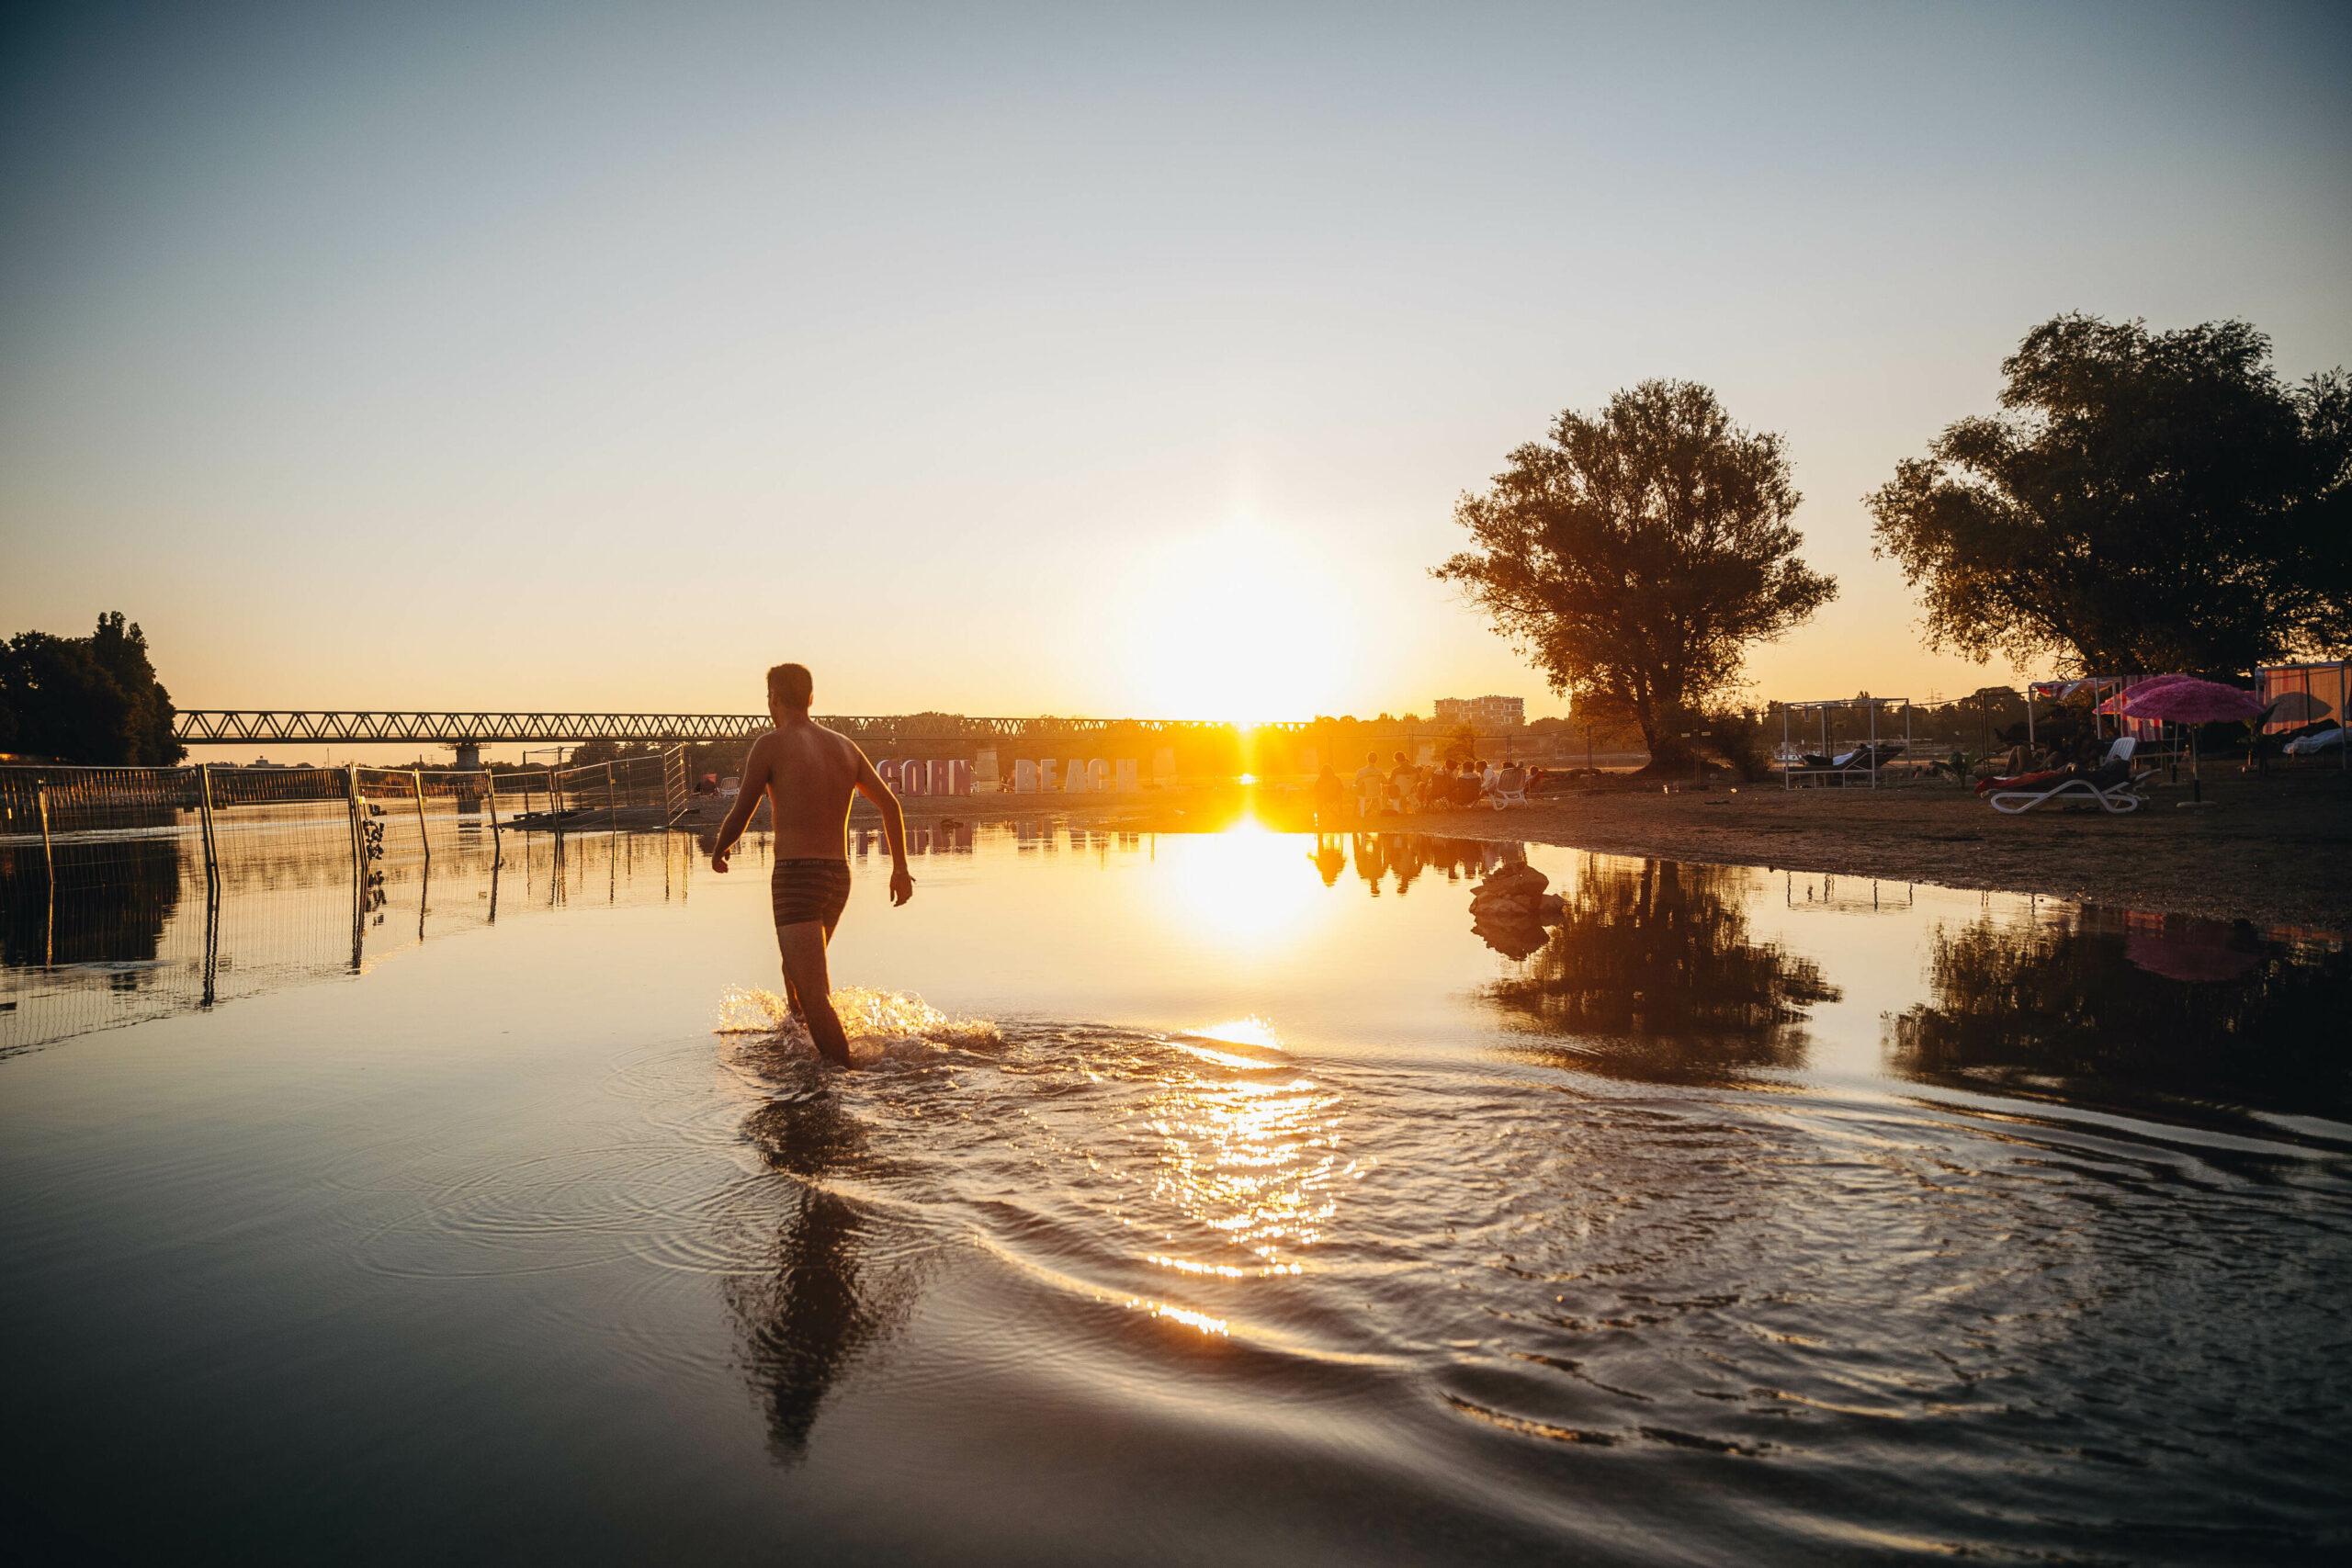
(130, 892)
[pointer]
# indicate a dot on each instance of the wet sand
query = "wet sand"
(2275, 850)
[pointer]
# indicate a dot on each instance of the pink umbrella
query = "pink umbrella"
(2121, 703)
(2189, 701)
(2186, 700)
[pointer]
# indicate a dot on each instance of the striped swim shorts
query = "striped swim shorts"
(806, 890)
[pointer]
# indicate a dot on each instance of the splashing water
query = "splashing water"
(877, 1019)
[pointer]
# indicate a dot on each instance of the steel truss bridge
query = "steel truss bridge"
(276, 727)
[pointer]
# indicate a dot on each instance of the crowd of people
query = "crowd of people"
(1405, 789)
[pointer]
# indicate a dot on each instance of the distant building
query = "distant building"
(1483, 713)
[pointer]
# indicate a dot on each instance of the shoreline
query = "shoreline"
(2273, 851)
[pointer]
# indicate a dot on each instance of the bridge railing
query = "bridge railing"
(206, 726)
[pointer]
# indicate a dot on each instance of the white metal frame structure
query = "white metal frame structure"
(1789, 772)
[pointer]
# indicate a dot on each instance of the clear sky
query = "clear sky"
(1011, 360)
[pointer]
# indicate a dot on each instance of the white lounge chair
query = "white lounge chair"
(1509, 788)
(2117, 797)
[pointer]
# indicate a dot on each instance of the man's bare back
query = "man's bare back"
(808, 773)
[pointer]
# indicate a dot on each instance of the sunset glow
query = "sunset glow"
(1236, 622)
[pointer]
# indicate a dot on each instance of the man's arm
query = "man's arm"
(894, 827)
(747, 800)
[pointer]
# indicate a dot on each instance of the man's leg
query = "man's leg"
(802, 946)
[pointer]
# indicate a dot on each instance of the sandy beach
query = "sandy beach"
(2275, 850)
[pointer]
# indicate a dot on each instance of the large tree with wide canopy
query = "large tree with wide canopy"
(1635, 553)
(2145, 501)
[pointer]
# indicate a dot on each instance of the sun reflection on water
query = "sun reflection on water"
(1253, 1160)
(1239, 890)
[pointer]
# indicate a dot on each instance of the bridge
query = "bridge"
(470, 731)
(287, 727)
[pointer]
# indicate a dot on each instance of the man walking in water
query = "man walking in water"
(809, 773)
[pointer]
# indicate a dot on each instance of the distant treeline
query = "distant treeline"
(1221, 750)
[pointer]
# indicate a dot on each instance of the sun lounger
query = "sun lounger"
(1862, 760)
(1509, 788)
(2119, 795)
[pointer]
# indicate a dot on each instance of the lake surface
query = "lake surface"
(1218, 1198)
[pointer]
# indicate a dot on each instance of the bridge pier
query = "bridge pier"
(468, 756)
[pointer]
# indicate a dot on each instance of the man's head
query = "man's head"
(1372, 759)
(790, 686)
(1400, 758)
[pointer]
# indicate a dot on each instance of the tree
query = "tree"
(2150, 501)
(91, 699)
(1635, 553)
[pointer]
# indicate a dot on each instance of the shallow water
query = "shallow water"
(1222, 1197)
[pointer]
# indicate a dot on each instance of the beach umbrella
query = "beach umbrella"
(2184, 699)
(2299, 707)
(2121, 703)
(2190, 701)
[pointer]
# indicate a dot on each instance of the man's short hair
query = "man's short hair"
(793, 683)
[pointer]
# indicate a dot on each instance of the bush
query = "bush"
(1738, 738)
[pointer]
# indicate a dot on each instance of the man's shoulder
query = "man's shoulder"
(835, 742)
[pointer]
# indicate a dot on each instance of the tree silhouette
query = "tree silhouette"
(2149, 500)
(1636, 554)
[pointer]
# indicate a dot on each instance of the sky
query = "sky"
(1022, 359)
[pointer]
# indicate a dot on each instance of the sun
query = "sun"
(1236, 622)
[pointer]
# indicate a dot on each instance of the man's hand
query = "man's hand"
(902, 885)
(719, 860)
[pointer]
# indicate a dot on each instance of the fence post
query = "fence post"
(211, 883)
(496, 843)
(204, 816)
(612, 809)
(417, 783)
(48, 859)
(358, 839)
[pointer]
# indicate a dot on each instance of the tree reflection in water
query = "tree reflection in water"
(814, 1297)
(2185, 1018)
(1652, 975)
(106, 903)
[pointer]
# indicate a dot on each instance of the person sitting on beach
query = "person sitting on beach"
(1372, 786)
(809, 773)
(1404, 783)
(1328, 792)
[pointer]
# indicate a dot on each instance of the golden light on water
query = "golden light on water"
(1186, 1316)
(1237, 890)
(1247, 1030)
(1254, 1161)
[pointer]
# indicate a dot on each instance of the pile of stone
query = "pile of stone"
(1509, 909)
